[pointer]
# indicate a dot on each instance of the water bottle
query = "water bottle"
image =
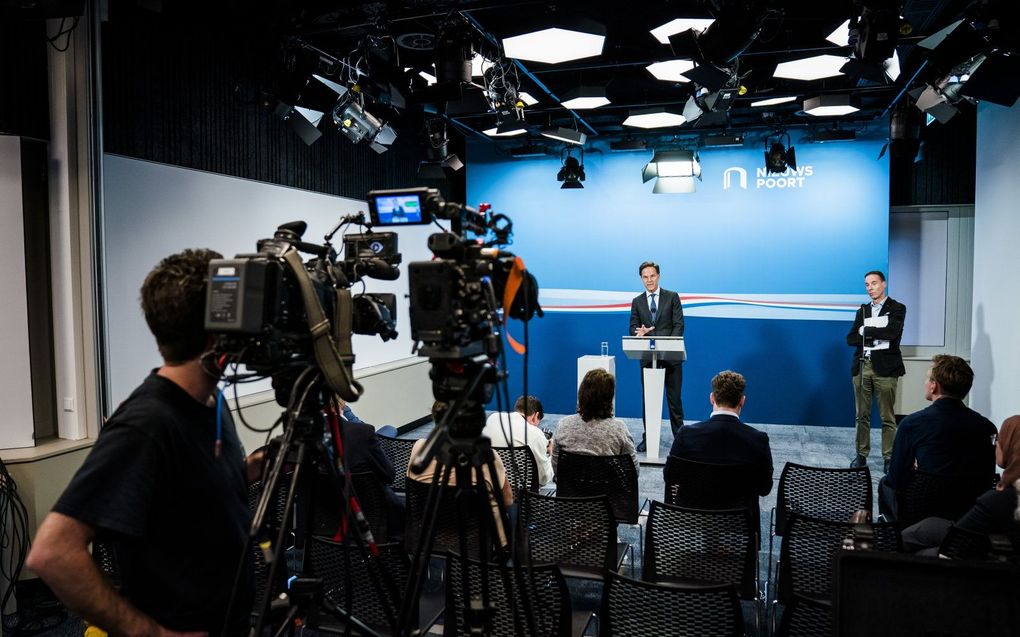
(605, 349)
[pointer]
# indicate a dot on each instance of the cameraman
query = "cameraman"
(165, 483)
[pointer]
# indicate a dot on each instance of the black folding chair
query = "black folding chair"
(370, 587)
(690, 545)
(826, 493)
(398, 450)
(521, 468)
(578, 534)
(809, 548)
(806, 617)
(580, 475)
(450, 522)
(632, 607)
(548, 599)
(924, 495)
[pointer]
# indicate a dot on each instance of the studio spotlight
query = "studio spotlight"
(779, 158)
(439, 161)
(674, 171)
(571, 171)
(357, 124)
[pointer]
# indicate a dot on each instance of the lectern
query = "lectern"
(655, 349)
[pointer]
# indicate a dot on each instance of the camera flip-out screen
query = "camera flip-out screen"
(398, 208)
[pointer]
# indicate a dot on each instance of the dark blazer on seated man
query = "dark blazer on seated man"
(947, 437)
(724, 439)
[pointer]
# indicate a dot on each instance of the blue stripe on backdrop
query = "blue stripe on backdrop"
(786, 382)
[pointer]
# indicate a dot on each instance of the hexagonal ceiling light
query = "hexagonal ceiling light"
(671, 70)
(570, 40)
(654, 118)
(813, 68)
(680, 25)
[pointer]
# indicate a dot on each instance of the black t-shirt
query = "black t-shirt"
(178, 514)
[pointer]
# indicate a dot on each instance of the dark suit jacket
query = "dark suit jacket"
(362, 451)
(946, 437)
(723, 439)
(885, 362)
(669, 318)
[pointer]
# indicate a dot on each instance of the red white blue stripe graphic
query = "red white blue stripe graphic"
(811, 307)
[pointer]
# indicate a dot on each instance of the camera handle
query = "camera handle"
(333, 356)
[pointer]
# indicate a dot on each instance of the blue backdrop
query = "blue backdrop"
(769, 268)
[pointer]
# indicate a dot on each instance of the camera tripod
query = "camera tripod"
(301, 453)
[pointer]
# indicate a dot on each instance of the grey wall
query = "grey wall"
(996, 337)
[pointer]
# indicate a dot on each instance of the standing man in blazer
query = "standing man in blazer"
(877, 364)
(658, 312)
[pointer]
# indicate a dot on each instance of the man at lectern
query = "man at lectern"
(657, 312)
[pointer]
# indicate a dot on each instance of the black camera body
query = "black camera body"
(256, 308)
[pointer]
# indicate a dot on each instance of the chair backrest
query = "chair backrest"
(631, 607)
(521, 468)
(377, 584)
(579, 533)
(810, 546)
(398, 450)
(709, 486)
(705, 546)
(961, 544)
(458, 514)
(579, 476)
(924, 495)
(806, 617)
(826, 493)
(546, 590)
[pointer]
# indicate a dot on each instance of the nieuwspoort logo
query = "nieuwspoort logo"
(736, 177)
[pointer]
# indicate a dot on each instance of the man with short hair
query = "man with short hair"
(165, 483)
(877, 364)
(724, 439)
(523, 427)
(947, 437)
(658, 312)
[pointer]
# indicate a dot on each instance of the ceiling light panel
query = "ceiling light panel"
(772, 101)
(492, 132)
(671, 70)
(527, 98)
(830, 105)
(841, 36)
(582, 103)
(654, 119)
(679, 26)
(554, 45)
(812, 68)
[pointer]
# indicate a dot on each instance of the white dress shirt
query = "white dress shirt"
(522, 435)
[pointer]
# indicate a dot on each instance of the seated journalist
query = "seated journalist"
(592, 430)
(523, 429)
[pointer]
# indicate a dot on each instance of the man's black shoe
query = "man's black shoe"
(641, 446)
(885, 466)
(858, 462)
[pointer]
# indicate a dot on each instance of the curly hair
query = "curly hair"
(595, 395)
(728, 388)
(173, 300)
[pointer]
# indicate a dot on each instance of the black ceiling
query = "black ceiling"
(790, 29)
